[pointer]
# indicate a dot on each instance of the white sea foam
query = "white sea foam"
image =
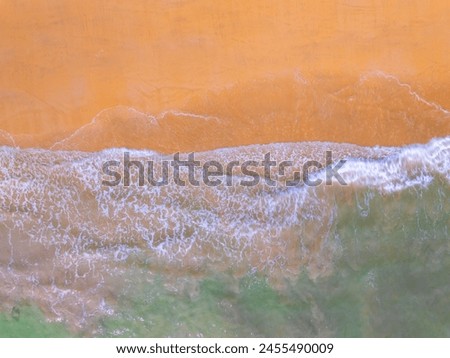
(65, 235)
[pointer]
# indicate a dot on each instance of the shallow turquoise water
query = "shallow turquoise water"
(390, 279)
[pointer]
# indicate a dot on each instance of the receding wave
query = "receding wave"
(374, 109)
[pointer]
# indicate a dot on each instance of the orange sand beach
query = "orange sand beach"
(197, 75)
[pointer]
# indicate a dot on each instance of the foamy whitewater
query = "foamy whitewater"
(361, 86)
(75, 248)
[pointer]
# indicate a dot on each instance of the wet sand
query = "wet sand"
(266, 71)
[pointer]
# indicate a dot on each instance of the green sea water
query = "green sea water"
(389, 279)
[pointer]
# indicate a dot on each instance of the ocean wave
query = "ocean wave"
(66, 238)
